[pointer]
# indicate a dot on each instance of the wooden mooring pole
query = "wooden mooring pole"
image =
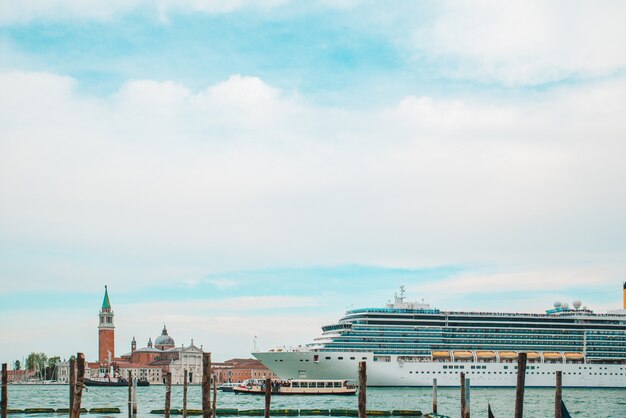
(206, 385)
(214, 408)
(521, 382)
(72, 383)
(362, 389)
(130, 394)
(135, 402)
(185, 383)
(168, 393)
(80, 383)
(462, 393)
(466, 411)
(4, 402)
(268, 396)
(434, 396)
(558, 396)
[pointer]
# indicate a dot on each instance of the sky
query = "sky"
(243, 168)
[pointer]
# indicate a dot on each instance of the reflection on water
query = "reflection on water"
(538, 402)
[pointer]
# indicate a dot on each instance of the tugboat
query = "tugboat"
(298, 387)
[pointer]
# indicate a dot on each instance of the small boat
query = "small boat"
(486, 355)
(574, 356)
(227, 387)
(298, 387)
(463, 355)
(112, 381)
(552, 356)
(507, 355)
(441, 354)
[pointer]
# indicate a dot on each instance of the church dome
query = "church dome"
(164, 341)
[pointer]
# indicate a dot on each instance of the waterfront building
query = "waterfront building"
(147, 363)
(237, 370)
(409, 344)
(185, 358)
(21, 376)
(106, 330)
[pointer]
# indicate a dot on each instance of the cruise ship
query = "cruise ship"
(410, 344)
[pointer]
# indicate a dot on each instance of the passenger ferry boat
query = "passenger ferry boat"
(298, 387)
(111, 377)
(410, 344)
(112, 381)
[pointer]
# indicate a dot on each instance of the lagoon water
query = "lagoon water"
(584, 403)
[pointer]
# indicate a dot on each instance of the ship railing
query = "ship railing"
(285, 349)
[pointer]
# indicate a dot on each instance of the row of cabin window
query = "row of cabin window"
(316, 358)
(315, 384)
(527, 372)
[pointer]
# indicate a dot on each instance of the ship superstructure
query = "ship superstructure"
(409, 344)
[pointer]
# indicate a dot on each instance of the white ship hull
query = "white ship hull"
(302, 365)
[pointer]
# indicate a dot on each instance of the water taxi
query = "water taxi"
(227, 387)
(298, 387)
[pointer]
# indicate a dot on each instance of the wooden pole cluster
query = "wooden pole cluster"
(362, 389)
(72, 382)
(80, 383)
(185, 383)
(206, 385)
(521, 382)
(4, 402)
(434, 396)
(558, 396)
(268, 396)
(168, 393)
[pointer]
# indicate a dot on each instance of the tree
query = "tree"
(37, 362)
(52, 369)
(17, 365)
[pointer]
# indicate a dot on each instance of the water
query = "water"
(538, 402)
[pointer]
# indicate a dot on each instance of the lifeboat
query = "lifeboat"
(441, 354)
(463, 355)
(486, 354)
(552, 356)
(532, 355)
(574, 356)
(507, 355)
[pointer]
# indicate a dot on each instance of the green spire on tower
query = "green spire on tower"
(105, 303)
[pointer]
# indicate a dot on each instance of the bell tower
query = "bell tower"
(106, 331)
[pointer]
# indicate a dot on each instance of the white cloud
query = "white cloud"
(539, 281)
(237, 304)
(27, 10)
(224, 283)
(175, 184)
(527, 42)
